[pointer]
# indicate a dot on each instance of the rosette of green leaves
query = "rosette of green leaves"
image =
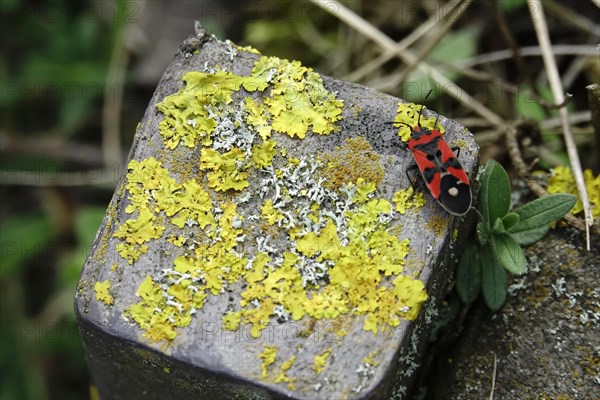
(500, 235)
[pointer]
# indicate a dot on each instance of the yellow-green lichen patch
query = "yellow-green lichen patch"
(136, 233)
(249, 49)
(406, 199)
(298, 99)
(153, 191)
(189, 115)
(336, 259)
(438, 224)
(282, 375)
(102, 293)
(370, 359)
(317, 243)
(268, 355)
(408, 113)
(225, 170)
(321, 360)
(296, 102)
(155, 313)
(562, 181)
(354, 159)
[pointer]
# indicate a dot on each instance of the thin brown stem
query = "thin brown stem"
(541, 29)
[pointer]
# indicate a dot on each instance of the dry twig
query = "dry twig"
(523, 171)
(541, 29)
(351, 19)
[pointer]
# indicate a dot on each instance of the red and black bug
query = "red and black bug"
(443, 174)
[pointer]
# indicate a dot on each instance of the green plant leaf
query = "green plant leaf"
(498, 226)
(509, 253)
(483, 233)
(493, 279)
(510, 220)
(542, 211)
(468, 274)
(87, 222)
(494, 193)
(509, 5)
(531, 236)
(23, 237)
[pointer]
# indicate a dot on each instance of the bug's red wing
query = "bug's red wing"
(434, 172)
(448, 154)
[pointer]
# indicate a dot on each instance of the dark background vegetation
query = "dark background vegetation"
(76, 78)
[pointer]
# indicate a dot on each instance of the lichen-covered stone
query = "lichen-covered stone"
(267, 240)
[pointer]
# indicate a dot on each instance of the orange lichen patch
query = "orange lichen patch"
(408, 113)
(354, 159)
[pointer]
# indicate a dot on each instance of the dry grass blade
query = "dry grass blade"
(453, 90)
(529, 51)
(494, 377)
(541, 30)
(438, 33)
(111, 111)
(401, 45)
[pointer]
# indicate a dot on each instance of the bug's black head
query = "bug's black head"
(417, 131)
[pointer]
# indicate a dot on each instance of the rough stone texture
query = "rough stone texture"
(546, 338)
(206, 361)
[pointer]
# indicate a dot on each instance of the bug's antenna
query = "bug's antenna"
(397, 122)
(436, 121)
(421, 110)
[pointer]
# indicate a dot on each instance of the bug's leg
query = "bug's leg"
(456, 150)
(411, 179)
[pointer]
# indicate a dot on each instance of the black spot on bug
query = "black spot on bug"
(428, 174)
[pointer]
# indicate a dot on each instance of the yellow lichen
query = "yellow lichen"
(298, 99)
(326, 262)
(438, 224)
(325, 244)
(269, 213)
(102, 293)
(408, 113)
(407, 199)
(248, 48)
(186, 115)
(136, 233)
(321, 360)
(226, 171)
(370, 359)
(282, 376)
(231, 321)
(262, 155)
(562, 181)
(258, 117)
(268, 355)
